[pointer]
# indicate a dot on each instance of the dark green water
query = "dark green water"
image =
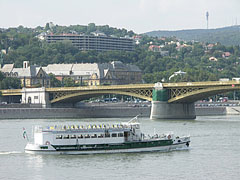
(214, 153)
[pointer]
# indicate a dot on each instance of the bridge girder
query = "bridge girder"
(81, 95)
(189, 96)
(178, 92)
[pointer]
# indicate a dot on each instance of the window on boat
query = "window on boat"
(94, 136)
(73, 137)
(80, 136)
(120, 134)
(66, 137)
(100, 136)
(114, 135)
(87, 136)
(59, 137)
(107, 135)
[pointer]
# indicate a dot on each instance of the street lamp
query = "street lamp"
(176, 74)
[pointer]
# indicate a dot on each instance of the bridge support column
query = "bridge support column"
(161, 109)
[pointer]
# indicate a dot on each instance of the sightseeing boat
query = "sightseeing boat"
(93, 139)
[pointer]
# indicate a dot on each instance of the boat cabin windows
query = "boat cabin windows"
(59, 137)
(114, 135)
(107, 135)
(87, 136)
(80, 136)
(100, 135)
(94, 136)
(120, 134)
(66, 137)
(73, 137)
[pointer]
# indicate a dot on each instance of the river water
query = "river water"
(214, 153)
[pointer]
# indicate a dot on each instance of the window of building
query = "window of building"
(35, 97)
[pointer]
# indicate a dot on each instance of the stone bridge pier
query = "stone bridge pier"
(161, 109)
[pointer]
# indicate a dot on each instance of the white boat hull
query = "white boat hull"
(35, 149)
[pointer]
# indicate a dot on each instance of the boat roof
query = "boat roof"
(90, 127)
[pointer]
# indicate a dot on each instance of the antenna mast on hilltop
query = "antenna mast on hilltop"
(207, 15)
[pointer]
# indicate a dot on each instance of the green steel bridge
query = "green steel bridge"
(183, 92)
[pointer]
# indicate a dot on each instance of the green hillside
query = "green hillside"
(22, 44)
(226, 36)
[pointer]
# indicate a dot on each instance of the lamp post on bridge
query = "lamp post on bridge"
(176, 74)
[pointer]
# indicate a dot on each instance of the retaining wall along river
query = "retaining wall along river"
(100, 112)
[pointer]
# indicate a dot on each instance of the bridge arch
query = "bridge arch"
(83, 95)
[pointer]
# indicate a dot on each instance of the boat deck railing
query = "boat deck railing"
(81, 127)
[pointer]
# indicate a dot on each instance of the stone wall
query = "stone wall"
(100, 112)
(91, 112)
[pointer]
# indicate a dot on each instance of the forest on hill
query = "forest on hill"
(226, 36)
(21, 44)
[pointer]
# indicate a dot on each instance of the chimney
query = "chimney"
(25, 64)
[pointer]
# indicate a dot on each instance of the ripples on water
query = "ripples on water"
(214, 153)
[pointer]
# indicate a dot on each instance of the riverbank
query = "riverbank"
(100, 112)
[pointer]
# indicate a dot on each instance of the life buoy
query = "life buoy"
(47, 142)
(169, 136)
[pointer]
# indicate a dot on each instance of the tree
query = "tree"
(53, 81)
(10, 83)
(47, 27)
(91, 28)
(1, 76)
(68, 82)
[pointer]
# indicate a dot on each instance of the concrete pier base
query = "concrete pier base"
(165, 110)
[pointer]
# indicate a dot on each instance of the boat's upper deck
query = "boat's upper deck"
(87, 128)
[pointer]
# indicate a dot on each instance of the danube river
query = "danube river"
(214, 153)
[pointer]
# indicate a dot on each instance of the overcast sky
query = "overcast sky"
(137, 15)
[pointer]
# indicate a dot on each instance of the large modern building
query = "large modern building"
(96, 41)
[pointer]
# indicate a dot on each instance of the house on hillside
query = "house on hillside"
(156, 48)
(213, 59)
(226, 54)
